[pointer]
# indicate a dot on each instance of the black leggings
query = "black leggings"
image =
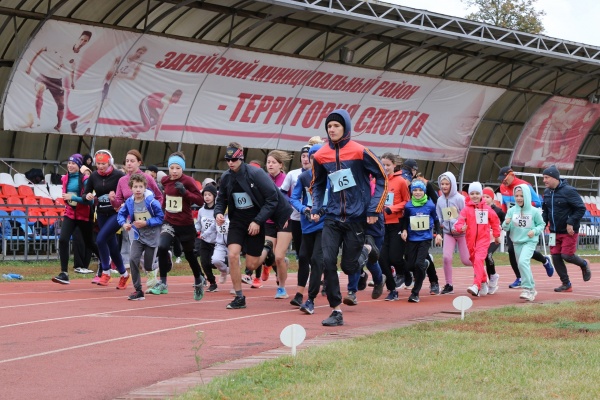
(187, 237)
(68, 227)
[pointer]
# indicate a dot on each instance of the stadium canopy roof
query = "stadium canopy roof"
(369, 34)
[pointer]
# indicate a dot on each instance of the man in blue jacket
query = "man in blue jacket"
(563, 209)
(349, 167)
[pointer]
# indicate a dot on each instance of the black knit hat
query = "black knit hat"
(337, 118)
(210, 188)
(552, 171)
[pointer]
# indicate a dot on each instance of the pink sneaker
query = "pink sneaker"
(256, 283)
(95, 280)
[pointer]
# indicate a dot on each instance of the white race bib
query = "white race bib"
(174, 204)
(449, 213)
(206, 223)
(308, 198)
(481, 216)
(552, 239)
(223, 229)
(523, 220)
(141, 216)
(242, 200)
(419, 222)
(389, 200)
(342, 179)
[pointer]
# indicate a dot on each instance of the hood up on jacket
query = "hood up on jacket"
(347, 129)
(527, 207)
(453, 188)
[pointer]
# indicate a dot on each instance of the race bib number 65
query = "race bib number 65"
(342, 179)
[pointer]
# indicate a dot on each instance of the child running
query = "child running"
(180, 193)
(416, 224)
(205, 243)
(490, 265)
(476, 219)
(524, 223)
(448, 207)
(142, 213)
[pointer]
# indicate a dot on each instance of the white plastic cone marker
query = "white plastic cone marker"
(292, 336)
(462, 303)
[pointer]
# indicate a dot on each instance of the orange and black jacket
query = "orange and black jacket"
(355, 203)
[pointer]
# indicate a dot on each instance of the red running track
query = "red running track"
(86, 341)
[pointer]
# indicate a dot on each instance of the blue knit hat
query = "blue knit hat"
(77, 159)
(417, 184)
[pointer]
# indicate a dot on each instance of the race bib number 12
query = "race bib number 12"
(174, 204)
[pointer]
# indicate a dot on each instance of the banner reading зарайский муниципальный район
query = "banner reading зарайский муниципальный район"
(122, 84)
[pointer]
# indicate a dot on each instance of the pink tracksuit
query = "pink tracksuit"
(479, 219)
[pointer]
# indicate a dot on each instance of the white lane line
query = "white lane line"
(108, 313)
(116, 297)
(81, 346)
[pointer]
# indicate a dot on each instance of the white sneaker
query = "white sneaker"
(484, 289)
(232, 291)
(223, 277)
(494, 280)
(151, 278)
(532, 294)
(178, 260)
(473, 290)
(247, 279)
(525, 294)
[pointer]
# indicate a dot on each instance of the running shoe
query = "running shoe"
(516, 284)
(160, 288)
(548, 266)
(350, 299)
(281, 293)
(264, 276)
(448, 289)
(308, 307)
(213, 288)
(199, 291)
(95, 280)
(565, 287)
(256, 283)
(297, 300)
(247, 279)
(61, 278)
(473, 290)
(378, 289)
(104, 279)
(413, 298)
(335, 319)
(137, 295)
(237, 303)
(123, 281)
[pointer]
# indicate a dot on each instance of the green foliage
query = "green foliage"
(520, 15)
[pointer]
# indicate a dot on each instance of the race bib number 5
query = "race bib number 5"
(174, 204)
(419, 223)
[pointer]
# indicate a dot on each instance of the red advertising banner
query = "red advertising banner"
(555, 133)
(85, 80)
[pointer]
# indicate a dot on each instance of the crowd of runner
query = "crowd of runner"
(374, 214)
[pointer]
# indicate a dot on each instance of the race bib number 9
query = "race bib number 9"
(141, 216)
(174, 204)
(419, 223)
(449, 213)
(242, 201)
(522, 221)
(342, 180)
(481, 216)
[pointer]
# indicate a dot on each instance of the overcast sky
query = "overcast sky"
(574, 20)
